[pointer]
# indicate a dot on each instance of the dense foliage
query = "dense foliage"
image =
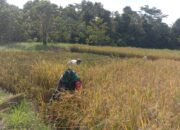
(87, 23)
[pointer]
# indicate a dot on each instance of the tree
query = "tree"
(87, 22)
(97, 32)
(176, 28)
(11, 29)
(69, 25)
(152, 14)
(176, 32)
(42, 12)
(91, 10)
(157, 33)
(129, 27)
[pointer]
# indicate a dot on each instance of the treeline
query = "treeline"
(87, 23)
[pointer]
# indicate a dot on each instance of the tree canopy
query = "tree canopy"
(87, 23)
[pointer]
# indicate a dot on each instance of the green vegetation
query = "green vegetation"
(23, 117)
(2, 95)
(87, 23)
(19, 116)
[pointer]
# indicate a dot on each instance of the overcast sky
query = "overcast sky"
(169, 7)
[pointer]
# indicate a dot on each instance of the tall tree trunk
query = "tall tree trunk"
(44, 38)
(44, 34)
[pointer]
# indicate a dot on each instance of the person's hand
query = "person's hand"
(78, 85)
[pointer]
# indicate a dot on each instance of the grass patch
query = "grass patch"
(3, 96)
(22, 117)
(35, 46)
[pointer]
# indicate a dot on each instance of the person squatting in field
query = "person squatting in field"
(68, 81)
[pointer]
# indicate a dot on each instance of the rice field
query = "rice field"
(117, 94)
(128, 52)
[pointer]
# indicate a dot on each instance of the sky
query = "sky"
(169, 7)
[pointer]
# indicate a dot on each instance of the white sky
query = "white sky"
(169, 7)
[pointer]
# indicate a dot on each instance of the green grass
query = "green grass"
(34, 46)
(22, 117)
(2, 95)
